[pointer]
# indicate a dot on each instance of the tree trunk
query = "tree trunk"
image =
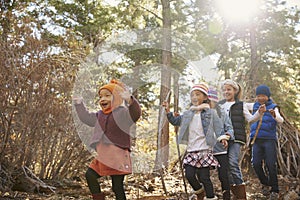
(135, 93)
(254, 64)
(162, 155)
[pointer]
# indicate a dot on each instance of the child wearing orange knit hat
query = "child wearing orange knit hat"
(111, 138)
(114, 91)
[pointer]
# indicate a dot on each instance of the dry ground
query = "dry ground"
(150, 187)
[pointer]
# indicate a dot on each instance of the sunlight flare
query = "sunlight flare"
(238, 10)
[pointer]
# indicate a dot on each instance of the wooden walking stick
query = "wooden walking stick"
(180, 162)
(179, 155)
(178, 149)
(257, 130)
(251, 142)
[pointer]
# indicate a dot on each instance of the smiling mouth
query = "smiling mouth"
(104, 104)
(228, 95)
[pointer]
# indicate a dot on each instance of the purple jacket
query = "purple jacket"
(113, 128)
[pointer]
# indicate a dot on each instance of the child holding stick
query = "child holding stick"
(198, 130)
(264, 142)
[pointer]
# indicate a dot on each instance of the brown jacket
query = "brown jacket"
(113, 128)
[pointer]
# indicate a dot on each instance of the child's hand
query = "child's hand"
(224, 140)
(126, 95)
(262, 109)
(200, 107)
(272, 112)
(166, 105)
(225, 143)
(77, 100)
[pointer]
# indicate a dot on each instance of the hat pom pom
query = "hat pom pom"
(119, 83)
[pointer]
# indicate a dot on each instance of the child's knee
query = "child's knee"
(189, 174)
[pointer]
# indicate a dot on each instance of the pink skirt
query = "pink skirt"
(111, 160)
(201, 159)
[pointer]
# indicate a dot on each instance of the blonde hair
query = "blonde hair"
(239, 93)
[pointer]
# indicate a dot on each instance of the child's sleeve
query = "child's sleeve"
(278, 117)
(249, 106)
(217, 123)
(89, 118)
(135, 110)
(248, 116)
(228, 128)
(175, 121)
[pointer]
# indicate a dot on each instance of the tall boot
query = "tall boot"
(239, 192)
(99, 196)
(200, 194)
(233, 190)
(226, 195)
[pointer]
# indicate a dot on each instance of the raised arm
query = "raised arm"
(134, 109)
(133, 105)
(89, 118)
(175, 120)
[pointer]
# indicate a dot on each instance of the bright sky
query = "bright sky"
(238, 10)
(294, 2)
(244, 10)
(231, 10)
(290, 2)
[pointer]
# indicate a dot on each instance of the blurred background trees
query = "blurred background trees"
(46, 46)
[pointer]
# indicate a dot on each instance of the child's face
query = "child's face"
(106, 99)
(229, 92)
(261, 98)
(197, 97)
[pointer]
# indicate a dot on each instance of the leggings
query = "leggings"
(196, 176)
(223, 171)
(117, 184)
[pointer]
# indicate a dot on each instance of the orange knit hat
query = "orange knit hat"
(115, 87)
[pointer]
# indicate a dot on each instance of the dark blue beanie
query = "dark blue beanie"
(263, 89)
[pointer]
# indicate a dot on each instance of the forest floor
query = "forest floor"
(142, 186)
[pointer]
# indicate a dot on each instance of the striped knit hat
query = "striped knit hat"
(203, 87)
(213, 95)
